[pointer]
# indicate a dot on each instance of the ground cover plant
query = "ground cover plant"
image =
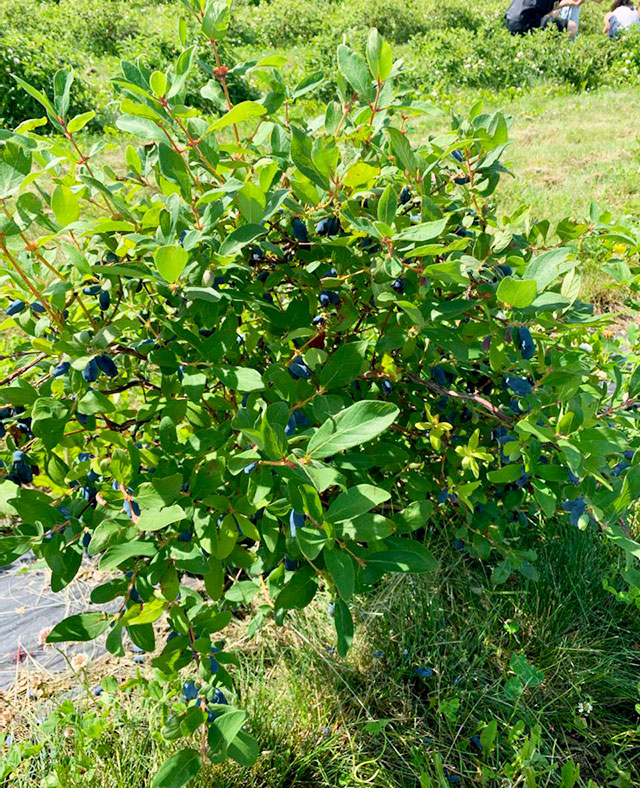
(447, 47)
(204, 339)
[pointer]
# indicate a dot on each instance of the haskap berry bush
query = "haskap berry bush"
(265, 354)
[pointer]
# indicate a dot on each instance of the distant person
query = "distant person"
(567, 16)
(623, 15)
(525, 15)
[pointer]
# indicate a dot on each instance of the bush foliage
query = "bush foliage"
(267, 353)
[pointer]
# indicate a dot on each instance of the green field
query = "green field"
(476, 712)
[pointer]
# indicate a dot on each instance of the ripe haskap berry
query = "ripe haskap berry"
(328, 226)
(131, 508)
(110, 257)
(575, 508)
(439, 376)
(296, 520)
(519, 386)
(107, 365)
(398, 285)
(92, 290)
(405, 195)
(298, 369)
(526, 345)
(299, 230)
(290, 564)
(82, 418)
(185, 536)
(189, 690)
(290, 429)
(475, 742)
(91, 372)
(62, 369)
(387, 387)
(423, 672)
(301, 420)
(251, 466)
(318, 320)
(457, 155)
(104, 300)
(38, 307)
(327, 297)
(627, 454)
(330, 274)
(15, 307)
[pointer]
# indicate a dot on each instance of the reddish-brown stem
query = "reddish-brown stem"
(28, 282)
(22, 370)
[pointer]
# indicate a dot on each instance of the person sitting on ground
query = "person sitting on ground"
(566, 16)
(623, 14)
(525, 15)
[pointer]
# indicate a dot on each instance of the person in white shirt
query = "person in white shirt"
(623, 14)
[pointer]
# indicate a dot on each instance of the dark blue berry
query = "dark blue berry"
(189, 690)
(298, 369)
(299, 229)
(104, 300)
(519, 386)
(15, 307)
(296, 520)
(107, 365)
(91, 371)
(62, 369)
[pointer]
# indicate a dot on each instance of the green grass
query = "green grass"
(324, 722)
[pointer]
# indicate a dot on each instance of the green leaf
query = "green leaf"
(48, 419)
(353, 426)
(242, 379)
(15, 165)
(301, 155)
(354, 69)
(65, 205)
(154, 520)
(246, 110)
(13, 547)
(340, 566)
(344, 626)
(548, 266)
(298, 591)
(175, 169)
(343, 366)
(216, 19)
(238, 239)
(80, 121)
(423, 232)
(244, 749)
(170, 261)
(367, 528)
(119, 553)
(308, 84)
(81, 627)
(402, 150)
(379, 56)
(356, 501)
(387, 205)
(405, 560)
(518, 293)
(175, 772)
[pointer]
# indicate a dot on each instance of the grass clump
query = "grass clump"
(452, 680)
